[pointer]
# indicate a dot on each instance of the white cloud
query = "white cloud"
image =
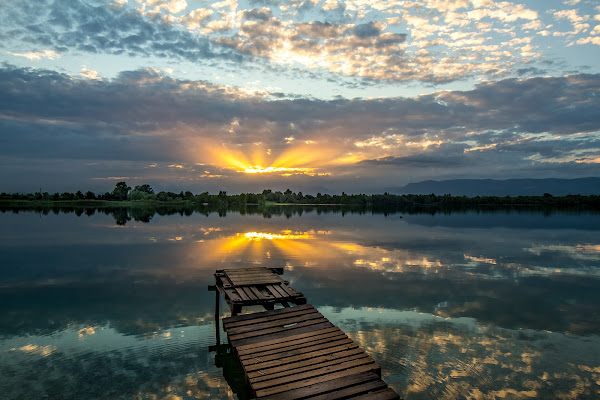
(38, 55)
(589, 40)
(89, 73)
(195, 18)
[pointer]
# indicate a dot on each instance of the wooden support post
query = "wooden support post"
(217, 321)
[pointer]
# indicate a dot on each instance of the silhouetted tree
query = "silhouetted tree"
(120, 191)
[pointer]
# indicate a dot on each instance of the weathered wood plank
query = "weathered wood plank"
(276, 329)
(301, 343)
(285, 341)
(306, 365)
(292, 331)
(248, 293)
(327, 387)
(282, 323)
(265, 313)
(303, 376)
(242, 294)
(319, 379)
(246, 270)
(295, 319)
(275, 362)
(262, 295)
(268, 280)
(288, 290)
(277, 289)
(334, 345)
(258, 320)
(233, 295)
(352, 391)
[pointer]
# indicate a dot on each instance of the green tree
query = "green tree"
(120, 191)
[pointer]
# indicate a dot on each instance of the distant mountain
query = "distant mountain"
(508, 187)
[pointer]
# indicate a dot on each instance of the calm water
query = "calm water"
(498, 305)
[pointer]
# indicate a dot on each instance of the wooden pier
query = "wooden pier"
(293, 352)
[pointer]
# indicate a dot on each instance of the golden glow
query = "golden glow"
(312, 248)
(257, 169)
(307, 158)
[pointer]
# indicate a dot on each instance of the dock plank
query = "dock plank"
(304, 365)
(286, 340)
(292, 331)
(301, 343)
(294, 312)
(312, 381)
(295, 319)
(244, 317)
(301, 376)
(276, 329)
(326, 388)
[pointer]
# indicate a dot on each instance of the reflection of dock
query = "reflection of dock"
(292, 352)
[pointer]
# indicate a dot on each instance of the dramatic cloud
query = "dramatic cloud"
(151, 117)
(326, 93)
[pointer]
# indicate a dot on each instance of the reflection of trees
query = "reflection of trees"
(145, 211)
(121, 216)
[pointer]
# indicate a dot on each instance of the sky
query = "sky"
(316, 96)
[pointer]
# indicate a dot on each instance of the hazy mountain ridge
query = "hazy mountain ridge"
(508, 187)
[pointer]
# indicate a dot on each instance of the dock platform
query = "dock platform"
(295, 352)
(255, 286)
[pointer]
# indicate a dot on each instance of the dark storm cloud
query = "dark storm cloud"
(147, 99)
(92, 27)
(446, 156)
(562, 105)
(144, 115)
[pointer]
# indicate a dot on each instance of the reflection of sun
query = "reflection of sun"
(256, 246)
(315, 247)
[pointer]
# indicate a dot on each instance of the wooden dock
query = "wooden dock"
(295, 352)
(255, 286)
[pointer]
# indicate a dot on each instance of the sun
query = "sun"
(311, 158)
(258, 169)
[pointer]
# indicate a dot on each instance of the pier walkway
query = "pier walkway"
(293, 352)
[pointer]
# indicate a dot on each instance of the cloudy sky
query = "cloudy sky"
(317, 95)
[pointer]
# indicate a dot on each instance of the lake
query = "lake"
(468, 305)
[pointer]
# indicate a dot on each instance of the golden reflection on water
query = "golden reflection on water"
(314, 248)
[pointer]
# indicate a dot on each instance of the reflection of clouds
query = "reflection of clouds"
(197, 385)
(111, 365)
(590, 271)
(34, 349)
(481, 259)
(88, 330)
(581, 251)
(431, 357)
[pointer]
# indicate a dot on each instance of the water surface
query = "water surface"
(468, 305)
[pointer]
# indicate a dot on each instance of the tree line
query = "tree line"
(386, 201)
